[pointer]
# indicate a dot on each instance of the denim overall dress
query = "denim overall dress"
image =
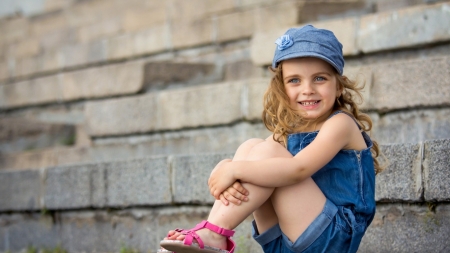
(348, 183)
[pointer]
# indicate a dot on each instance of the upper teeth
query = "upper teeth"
(309, 103)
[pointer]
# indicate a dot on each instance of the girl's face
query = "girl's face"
(311, 86)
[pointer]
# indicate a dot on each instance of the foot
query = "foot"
(208, 237)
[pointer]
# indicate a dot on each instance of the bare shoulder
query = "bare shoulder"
(344, 126)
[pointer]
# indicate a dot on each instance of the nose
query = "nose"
(308, 88)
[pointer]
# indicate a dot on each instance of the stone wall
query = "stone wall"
(111, 111)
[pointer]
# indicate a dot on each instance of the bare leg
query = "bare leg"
(307, 206)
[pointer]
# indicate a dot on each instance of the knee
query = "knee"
(268, 149)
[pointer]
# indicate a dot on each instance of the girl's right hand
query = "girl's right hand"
(235, 194)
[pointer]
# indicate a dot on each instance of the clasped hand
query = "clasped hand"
(224, 186)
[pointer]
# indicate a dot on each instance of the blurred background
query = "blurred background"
(113, 112)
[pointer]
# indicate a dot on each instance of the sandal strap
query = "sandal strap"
(214, 228)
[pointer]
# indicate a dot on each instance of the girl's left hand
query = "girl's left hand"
(220, 179)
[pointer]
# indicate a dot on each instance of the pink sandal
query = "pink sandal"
(188, 246)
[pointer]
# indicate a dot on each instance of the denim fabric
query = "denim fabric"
(308, 41)
(348, 183)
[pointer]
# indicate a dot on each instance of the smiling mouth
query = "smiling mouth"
(308, 103)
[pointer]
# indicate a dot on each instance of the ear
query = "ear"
(339, 88)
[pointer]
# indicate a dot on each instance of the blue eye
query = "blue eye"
(320, 79)
(294, 80)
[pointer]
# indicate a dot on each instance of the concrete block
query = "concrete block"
(200, 106)
(4, 71)
(52, 60)
(110, 80)
(190, 177)
(256, 89)
(36, 91)
(15, 29)
(408, 27)
(77, 186)
(236, 25)
(122, 115)
(102, 231)
(328, 10)
(20, 231)
(134, 20)
(26, 66)
(402, 179)
(120, 46)
(152, 40)
(408, 228)
(163, 74)
(19, 134)
(74, 55)
(188, 33)
(138, 182)
(385, 96)
(44, 24)
(99, 30)
(364, 78)
(262, 45)
(412, 126)
(437, 170)
(195, 9)
(275, 14)
(20, 190)
(25, 48)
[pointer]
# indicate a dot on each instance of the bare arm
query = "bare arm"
(335, 134)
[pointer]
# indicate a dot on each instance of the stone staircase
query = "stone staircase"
(111, 113)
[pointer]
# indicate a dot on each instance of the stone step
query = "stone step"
(394, 127)
(147, 197)
(92, 33)
(391, 30)
(187, 142)
(388, 87)
(416, 173)
(18, 134)
(141, 36)
(104, 81)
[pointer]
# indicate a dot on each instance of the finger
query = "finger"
(234, 193)
(232, 199)
(224, 200)
(238, 186)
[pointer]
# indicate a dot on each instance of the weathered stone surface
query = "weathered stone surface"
(105, 81)
(218, 139)
(190, 177)
(20, 231)
(111, 231)
(185, 33)
(200, 106)
(404, 28)
(328, 10)
(408, 228)
(20, 190)
(110, 80)
(78, 186)
(411, 126)
(437, 170)
(256, 89)
(235, 25)
(402, 179)
(161, 74)
(19, 134)
(122, 115)
(392, 84)
(138, 182)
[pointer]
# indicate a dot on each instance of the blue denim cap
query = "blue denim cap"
(308, 41)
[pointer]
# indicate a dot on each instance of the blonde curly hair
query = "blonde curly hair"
(281, 119)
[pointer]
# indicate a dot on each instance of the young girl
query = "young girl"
(310, 186)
